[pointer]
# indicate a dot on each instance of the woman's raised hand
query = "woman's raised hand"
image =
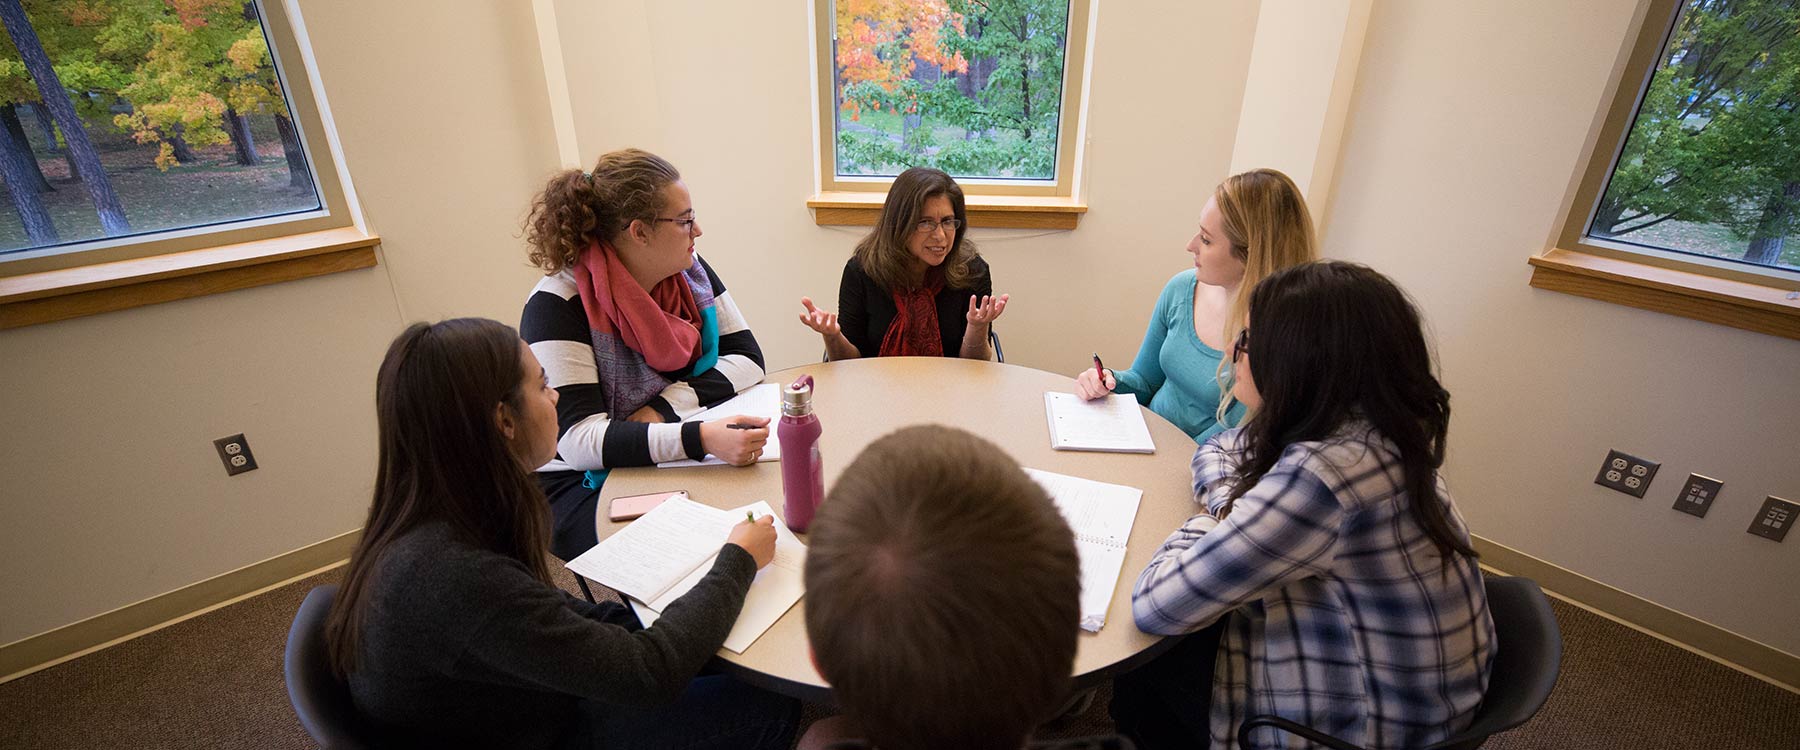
(987, 309)
(740, 445)
(1089, 384)
(822, 322)
(757, 538)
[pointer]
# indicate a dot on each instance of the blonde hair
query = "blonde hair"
(577, 207)
(1267, 223)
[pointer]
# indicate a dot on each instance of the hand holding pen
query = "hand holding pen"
(1095, 382)
(737, 439)
(756, 536)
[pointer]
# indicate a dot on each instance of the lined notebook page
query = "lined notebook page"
(774, 591)
(1111, 424)
(762, 400)
(656, 551)
(1101, 516)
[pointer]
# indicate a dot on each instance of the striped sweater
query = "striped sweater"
(591, 415)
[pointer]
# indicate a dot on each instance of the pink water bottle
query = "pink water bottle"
(802, 473)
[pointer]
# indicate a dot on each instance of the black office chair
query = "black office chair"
(320, 699)
(993, 341)
(1526, 663)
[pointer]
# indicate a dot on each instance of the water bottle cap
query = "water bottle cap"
(796, 398)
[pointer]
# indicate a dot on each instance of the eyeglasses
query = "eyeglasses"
(927, 226)
(687, 224)
(1241, 345)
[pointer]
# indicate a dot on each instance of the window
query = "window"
(136, 128)
(1694, 181)
(988, 91)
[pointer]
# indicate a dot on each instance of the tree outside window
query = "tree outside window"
(972, 87)
(1711, 165)
(129, 117)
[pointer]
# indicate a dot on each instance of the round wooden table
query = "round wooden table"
(860, 400)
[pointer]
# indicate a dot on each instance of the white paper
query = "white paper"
(1113, 424)
(774, 591)
(762, 400)
(1101, 516)
(657, 550)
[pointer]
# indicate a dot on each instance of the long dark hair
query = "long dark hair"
(443, 458)
(1337, 342)
(883, 252)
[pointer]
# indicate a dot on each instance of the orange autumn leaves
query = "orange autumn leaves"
(879, 40)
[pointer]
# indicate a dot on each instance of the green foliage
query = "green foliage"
(986, 102)
(1717, 136)
(178, 64)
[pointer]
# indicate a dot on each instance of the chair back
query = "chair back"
(321, 700)
(1527, 659)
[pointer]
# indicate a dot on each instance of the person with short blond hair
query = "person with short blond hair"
(1255, 223)
(942, 596)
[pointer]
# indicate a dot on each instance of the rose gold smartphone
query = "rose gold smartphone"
(631, 506)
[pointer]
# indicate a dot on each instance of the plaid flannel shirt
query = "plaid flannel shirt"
(1340, 612)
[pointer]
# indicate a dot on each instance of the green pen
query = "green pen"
(750, 515)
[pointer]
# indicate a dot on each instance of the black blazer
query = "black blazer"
(866, 311)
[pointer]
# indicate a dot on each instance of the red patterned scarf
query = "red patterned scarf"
(662, 324)
(914, 332)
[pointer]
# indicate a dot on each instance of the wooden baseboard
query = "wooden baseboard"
(1745, 654)
(47, 649)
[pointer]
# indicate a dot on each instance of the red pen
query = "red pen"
(1098, 370)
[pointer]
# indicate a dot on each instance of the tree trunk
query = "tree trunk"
(1607, 218)
(9, 116)
(1771, 231)
(296, 158)
(50, 88)
(238, 127)
(42, 116)
(184, 154)
(18, 165)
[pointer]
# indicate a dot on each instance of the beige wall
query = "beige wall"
(723, 90)
(1458, 147)
(1467, 123)
(111, 490)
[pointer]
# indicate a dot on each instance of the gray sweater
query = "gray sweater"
(462, 647)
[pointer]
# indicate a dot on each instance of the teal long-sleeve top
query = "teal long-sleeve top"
(1174, 374)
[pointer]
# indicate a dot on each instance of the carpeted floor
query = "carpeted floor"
(216, 682)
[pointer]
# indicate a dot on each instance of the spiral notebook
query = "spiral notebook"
(1113, 424)
(1101, 516)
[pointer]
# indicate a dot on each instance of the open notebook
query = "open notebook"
(1113, 424)
(762, 400)
(1101, 515)
(656, 559)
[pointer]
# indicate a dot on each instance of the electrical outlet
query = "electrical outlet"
(1698, 494)
(1626, 473)
(234, 451)
(1775, 518)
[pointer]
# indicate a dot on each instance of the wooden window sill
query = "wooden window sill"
(29, 299)
(1001, 211)
(1752, 307)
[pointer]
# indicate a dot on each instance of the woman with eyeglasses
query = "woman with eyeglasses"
(447, 627)
(1255, 224)
(916, 285)
(636, 332)
(1329, 564)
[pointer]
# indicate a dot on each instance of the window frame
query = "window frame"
(116, 273)
(1721, 291)
(1053, 203)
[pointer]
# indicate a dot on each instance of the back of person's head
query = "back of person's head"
(1265, 219)
(578, 207)
(1331, 342)
(883, 252)
(443, 458)
(942, 594)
